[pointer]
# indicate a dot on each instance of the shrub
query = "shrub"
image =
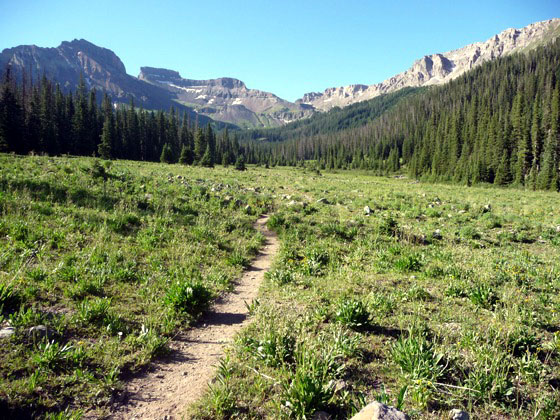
(188, 297)
(483, 295)
(417, 358)
(353, 313)
(280, 277)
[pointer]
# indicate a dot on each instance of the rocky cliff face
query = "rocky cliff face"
(226, 99)
(440, 68)
(102, 69)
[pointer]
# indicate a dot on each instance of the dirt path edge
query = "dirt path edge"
(174, 383)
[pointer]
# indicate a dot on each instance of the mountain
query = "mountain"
(102, 69)
(226, 99)
(437, 69)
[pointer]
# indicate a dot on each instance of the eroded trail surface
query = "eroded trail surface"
(182, 378)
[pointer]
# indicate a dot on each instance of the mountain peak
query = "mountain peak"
(440, 68)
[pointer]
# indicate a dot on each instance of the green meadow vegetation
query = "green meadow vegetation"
(442, 297)
(113, 258)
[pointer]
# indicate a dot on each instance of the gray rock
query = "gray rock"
(323, 200)
(558, 228)
(437, 234)
(39, 332)
(7, 332)
(487, 208)
(367, 210)
(292, 203)
(457, 414)
(321, 415)
(378, 411)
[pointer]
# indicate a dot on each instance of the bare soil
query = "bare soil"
(180, 379)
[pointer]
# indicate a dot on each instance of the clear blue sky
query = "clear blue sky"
(286, 47)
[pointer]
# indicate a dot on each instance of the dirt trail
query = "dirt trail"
(182, 378)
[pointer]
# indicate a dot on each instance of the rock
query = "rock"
(437, 234)
(457, 414)
(321, 415)
(323, 200)
(7, 332)
(462, 211)
(558, 228)
(487, 208)
(292, 203)
(148, 196)
(367, 210)
(378, 411)
(39, 332)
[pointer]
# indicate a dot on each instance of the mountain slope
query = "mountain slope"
(227, 99)
(498, 123)
(102, 69)
(437, 69)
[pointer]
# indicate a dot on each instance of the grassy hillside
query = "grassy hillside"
(103, 255)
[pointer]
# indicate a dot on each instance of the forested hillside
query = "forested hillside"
(333, 121)
(498, 123)
(43, 119)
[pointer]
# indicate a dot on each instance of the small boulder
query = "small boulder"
(7, 332)
(39, 332)
(437, 234)
(487, 208)
(323, 200)
(367, 210)
(457, 414)
(292, 203)
(378, 411)
(321, 415)
(558, 228)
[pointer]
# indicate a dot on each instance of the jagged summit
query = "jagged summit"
(227, 99)
(440, 68)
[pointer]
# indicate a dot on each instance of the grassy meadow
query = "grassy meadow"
(442, 297)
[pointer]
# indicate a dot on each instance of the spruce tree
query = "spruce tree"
(185, 158)
(199, 145)
(166, 154)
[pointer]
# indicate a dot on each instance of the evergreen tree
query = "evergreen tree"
(166, 154)
(240, 163)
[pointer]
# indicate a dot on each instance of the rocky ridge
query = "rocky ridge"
(438, 68)
(227, 99)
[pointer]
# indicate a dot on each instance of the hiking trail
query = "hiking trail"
(174, 382)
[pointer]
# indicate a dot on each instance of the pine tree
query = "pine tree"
(199, 145)
(206, 159)
(11, 118)
(105, 148)
(166, 154)
(185, 158)
(240, 163)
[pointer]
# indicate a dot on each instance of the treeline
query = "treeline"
(41, 118)
(498, 123)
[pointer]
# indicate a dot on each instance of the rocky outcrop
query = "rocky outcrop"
(378, 411)
(227, 99)
(440, 68)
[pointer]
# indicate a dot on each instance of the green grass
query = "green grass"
(113, 258)
(434, 301)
